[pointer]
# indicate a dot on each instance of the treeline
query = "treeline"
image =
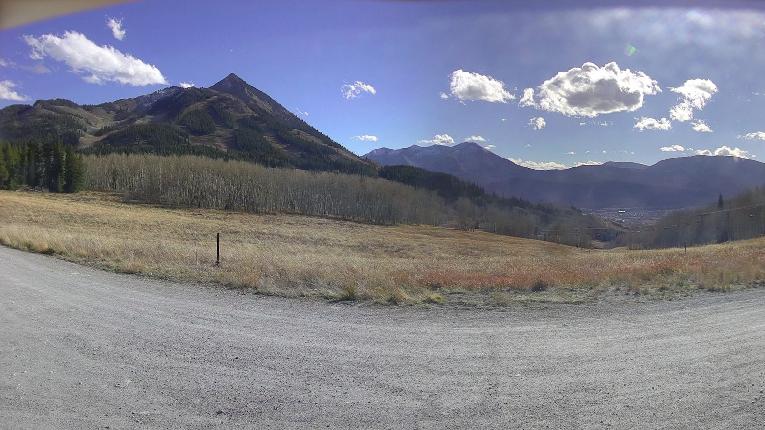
(190, 181)
(741, 217)
(51, 166)
(253, 139)
(452, 188)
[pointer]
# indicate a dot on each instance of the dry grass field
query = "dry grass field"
(338, 260)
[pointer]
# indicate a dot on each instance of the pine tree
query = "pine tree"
(73, 171)
(3, 167)
(720, 202)
(54, 167)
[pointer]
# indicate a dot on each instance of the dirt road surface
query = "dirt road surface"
(83, 348)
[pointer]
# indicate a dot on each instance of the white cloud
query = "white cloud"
(7, 92)
(503, 119)
(366, 138)
(725, 151)
(571, 153)
(439, 139)
(116, 25)
(489, 147)
(475, 138)
(701, 126)
(646, 123)
(470, 86)
(99, 64)
(672, 148)
(537, 123)
(186, 84)
(538, 165)
(3, 63)
(443, 95)
(694, 95)
(756, 135)
(588, 163)
(590, 90)
(351, 91)
(527, 99)
(681, 112)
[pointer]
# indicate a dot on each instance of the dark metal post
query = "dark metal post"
(217, 249)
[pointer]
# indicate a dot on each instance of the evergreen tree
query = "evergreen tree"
(54, 169)
(720, 202)
(73, 171)
(4, 174)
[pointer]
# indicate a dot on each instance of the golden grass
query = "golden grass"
(338, 260)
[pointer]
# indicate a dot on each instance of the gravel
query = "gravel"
(83, 348)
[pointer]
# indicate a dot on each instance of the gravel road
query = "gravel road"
(82, 348)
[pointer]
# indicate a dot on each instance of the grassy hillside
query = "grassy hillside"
(315, 257)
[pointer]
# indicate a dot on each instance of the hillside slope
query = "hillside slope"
(229, 119)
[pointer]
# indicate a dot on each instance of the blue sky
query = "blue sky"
(480, 55)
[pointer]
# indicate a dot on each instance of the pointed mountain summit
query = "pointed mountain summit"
(231, 80)
(230, 119)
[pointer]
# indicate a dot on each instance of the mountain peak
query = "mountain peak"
(468, 144)
(231, 81)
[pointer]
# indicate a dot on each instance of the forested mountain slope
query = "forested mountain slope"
(229, 119)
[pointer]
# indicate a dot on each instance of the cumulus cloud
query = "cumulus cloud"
(538, 165)
(588, 163)
(725, 151)
(443, 95)
(590, 90)
(8, 93)
(646, 123)
(470, 86)
(351, 91)
(116, 26)
(537, 123)
(755, 135)
(98, 64)
(527, 99)
(701, 126)
(693, 95)
(672, 148)
(366, 138)
(475, 138)
(186, 84)
(439, 139)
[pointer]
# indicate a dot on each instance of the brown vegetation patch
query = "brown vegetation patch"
(292, 255)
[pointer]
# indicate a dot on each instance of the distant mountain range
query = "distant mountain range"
(229, 119)
(672, 183)
(233, 119)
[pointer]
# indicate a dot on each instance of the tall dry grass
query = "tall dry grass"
(303, 256)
